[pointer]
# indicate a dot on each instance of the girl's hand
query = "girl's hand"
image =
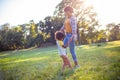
(64, 46)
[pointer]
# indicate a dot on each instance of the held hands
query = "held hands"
(71, 38)
(65, 46)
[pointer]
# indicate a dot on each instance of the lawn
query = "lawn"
(97, 63)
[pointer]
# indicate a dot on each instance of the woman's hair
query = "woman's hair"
(59, 35)
(68, 8)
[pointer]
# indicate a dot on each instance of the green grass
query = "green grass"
(97, 63)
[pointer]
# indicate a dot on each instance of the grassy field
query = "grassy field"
(97, 63)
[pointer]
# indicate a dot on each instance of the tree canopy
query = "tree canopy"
(33, 34)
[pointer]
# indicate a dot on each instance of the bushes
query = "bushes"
(36, 41)
(11, 40)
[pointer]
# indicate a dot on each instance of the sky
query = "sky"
(22, 11)
(107, 10)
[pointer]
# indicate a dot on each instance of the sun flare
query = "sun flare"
(107, 10)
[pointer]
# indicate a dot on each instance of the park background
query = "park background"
(27, 45)
(92, 26)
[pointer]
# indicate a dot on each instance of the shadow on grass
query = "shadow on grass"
(29, 52)
(115, 49)
(13, 53)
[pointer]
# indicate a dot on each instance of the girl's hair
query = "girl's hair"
(68, 8)
(59, 35)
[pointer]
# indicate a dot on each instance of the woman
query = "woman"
(70, 27)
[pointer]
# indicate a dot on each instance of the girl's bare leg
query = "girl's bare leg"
(64, 62)
(68, 63)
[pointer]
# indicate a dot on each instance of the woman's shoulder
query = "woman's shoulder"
(73, 18)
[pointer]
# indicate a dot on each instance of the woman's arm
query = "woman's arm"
(73, 24)
(62, 28)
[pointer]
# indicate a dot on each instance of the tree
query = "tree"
(31, 32)
(5, 26)
(118, 31)
(39, 40)
(12, 40)
(2, 47)
(41, 26)
(50, 25)
(33, 29)
(113, 31)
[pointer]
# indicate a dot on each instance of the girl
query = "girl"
(59, 36)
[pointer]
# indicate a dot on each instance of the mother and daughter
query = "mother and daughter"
(68, 39)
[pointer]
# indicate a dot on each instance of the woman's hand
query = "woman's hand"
(61, 30)
(70, 39)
